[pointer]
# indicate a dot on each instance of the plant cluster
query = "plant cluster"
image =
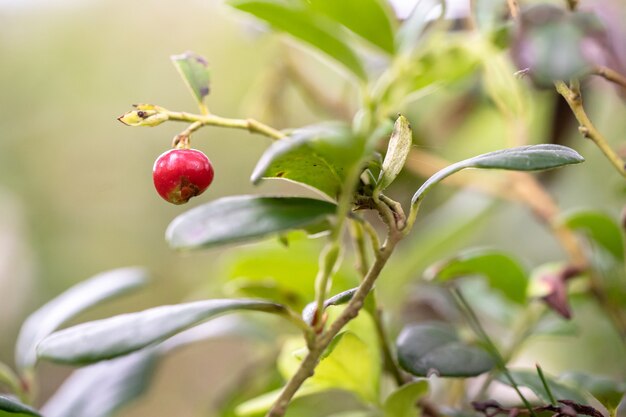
(339, 339)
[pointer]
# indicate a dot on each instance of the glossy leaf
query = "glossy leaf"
(523, 158)
(369, 19)
(317, 156)
(403, 401)
(600, 227)
(10, 407)
(120, 335)
(338, 299)
(531, 380)
(607, 391)
(435, 348)
(102, 389)
(503, 272)
(71, 303)
(319, 32)
(242, 218)
(194, 70)
(397, 152)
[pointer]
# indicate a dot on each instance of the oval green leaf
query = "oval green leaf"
(370, 19)
(522, 158)
(194, 70)
(435, 348)
(10, 407)
(503, 272)
(68, 305)
(403, 401)
(102, 389)
(600, 227)
(116, 336)
(316, 30)
(243, 218)
(317, 156)
(607, 391)
(397, 152)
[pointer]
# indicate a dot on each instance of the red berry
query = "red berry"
(180, 174)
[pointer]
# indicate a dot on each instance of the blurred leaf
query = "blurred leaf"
(424, 349)
(71, 303)
(318, 156)
(101, 390)
(283, 274)
(412, 28)
(600, 227)
(508, 92)
(403, 401)
(369, 19)
(315, 30)
(242, 218)
(10, 407)
(338, 299)
(503, 272)
(531, 380)
(262, 403)
(523, 158)
(607, 391)
(360, 413)
(555, 326)
(194, 70)
(116, 336)
(397, 152)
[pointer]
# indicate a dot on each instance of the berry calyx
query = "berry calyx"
(180, 174)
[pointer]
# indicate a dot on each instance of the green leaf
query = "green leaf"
(397, 152)
(116, 336)
(338, 299)
(424, 349)
(531, 380)
(607, 391)
(244, 218)
(319, 32)
(503, 272)
(369, 19)
(317, 156)
(10, 407)
(403, 401)
(71, 303)
(102, 389)
(600, 227)
(523, 158)
(194, 70)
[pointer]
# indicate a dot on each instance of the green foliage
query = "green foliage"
(502, 271)
(435, 348)
(531, 380)
(68, 305)
(194, 70)
(244, 218)
(601, 229)
(403, 401)
(10, 407)
(116, 336)
(318, 156)
(397, 152)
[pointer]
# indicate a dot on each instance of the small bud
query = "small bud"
(144, 115)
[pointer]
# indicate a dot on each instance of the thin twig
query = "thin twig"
(610, 75)
(587, 129)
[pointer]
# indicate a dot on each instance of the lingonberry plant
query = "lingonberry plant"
(341, 342)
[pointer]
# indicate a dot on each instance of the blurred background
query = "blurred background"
(76, 193)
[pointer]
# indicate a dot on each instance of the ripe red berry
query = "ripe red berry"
(180, 174)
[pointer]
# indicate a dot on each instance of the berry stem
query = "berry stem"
(198, 121)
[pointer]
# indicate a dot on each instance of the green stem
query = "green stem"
(545, 384)
(12, 381)
(250, 125)
(472, 318)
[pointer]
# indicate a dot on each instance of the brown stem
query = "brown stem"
(610, 75)
(587, 129)
(307, 367)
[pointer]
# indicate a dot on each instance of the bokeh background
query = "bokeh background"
(76, 194)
